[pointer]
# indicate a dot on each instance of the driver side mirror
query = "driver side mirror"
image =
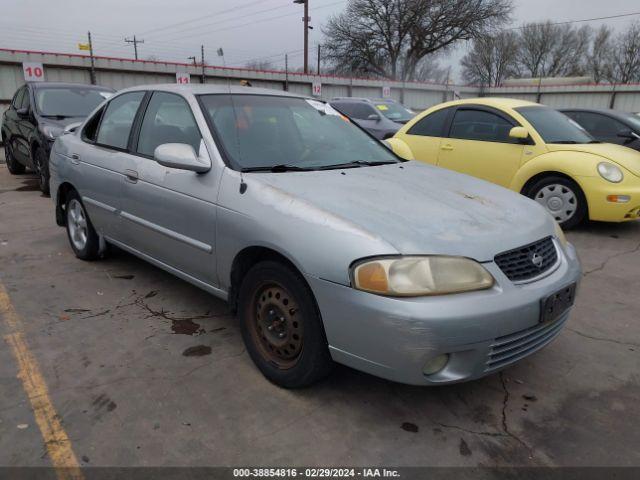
(519, 133)
(374, 117)
(400, 148)
(182, 157)
(22, 112)
(629, 135)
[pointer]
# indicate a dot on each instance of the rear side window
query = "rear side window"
(358, 111)
(118, 119)
(480, 125)
(432, 125)
(168, 119)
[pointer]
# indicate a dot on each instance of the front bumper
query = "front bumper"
(597, 190)
(482, 332)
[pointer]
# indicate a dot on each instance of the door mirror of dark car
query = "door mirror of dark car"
(71, 128)
(182, 157)
(373, 117)
(629, 135)
(519, 133)
(22, 112)
(400, 148)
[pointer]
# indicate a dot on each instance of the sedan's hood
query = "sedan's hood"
(419, 209)
(623, 156)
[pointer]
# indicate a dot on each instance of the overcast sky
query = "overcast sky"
(245, 29)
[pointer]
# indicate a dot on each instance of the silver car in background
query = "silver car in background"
(329, 246)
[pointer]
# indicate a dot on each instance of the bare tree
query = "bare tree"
(626, 56)
(491, 60)
(259, 65)
(599, 61)
(430, 70)
(548, 50)
(390, 38)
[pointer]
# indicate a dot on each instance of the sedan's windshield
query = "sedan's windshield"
(555, 127)
(68, 102)
(262, 132)
(395, 112)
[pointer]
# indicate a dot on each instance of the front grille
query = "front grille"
(518, 264)
(511, 348)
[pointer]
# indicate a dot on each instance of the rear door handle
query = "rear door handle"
(447, 148)
(75, 158)
(131, 176)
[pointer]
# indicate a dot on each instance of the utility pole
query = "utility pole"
(92, 72)
(286, 72)
(306, 32)
(202, 60)
(135, 42)
(318, 59)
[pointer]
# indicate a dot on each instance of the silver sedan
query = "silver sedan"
(329, 246)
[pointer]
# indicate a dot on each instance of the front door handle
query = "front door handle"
(447, 148)
(131, 176)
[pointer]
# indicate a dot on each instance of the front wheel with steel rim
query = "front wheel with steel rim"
(281, 326)
(14, 167)
(562, 198)
(82, 236)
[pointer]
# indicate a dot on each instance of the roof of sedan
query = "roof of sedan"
(198, 89)
(38, 85)
(605, 111)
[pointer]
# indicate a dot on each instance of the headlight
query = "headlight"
(52, 132)
(420, 276)
(560, 235)
(610, 172)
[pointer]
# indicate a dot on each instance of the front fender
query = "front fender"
(571, 164)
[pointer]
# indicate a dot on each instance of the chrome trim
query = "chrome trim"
(168, 233)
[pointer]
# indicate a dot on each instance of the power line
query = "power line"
(569, 22)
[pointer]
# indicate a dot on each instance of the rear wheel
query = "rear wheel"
(14, 167)
(562, 198)
(42, 164)
(281, 326)
(82, 236)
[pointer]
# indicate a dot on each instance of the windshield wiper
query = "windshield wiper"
(277, 168)
(355, 164)
(57, 116)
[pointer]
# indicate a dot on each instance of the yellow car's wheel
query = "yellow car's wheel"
(562, 198)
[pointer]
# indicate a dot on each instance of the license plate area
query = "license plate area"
(557, 303)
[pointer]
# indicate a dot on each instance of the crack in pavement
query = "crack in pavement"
(505, 426)
(603, 265)
(603, 339)
(163, 314)
(473, 432)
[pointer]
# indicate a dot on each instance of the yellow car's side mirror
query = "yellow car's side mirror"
(519, 133)
(400, 148)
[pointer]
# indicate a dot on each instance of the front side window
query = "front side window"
(25, 102)
(480, 125)
(168, 119)
(91, 128)
(17, 99)
(553, 126)
(262, 131)
(68, 102)
(432, 125)
(118, 119)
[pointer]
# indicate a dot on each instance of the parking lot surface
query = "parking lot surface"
(143, 369)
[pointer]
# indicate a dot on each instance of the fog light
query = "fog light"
(435, 364)
(618, 198)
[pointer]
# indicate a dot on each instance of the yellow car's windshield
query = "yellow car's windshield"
(555, 127)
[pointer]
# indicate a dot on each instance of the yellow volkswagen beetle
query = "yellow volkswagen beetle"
(531, 149)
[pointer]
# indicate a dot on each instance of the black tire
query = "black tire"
(42, 165)
(535, 192)
(308, 360)
(14, 167)
(90, 248)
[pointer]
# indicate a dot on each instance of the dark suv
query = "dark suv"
(38, 114)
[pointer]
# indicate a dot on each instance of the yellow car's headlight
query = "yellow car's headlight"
(560, 235)
(610, 172)
(420, 276)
